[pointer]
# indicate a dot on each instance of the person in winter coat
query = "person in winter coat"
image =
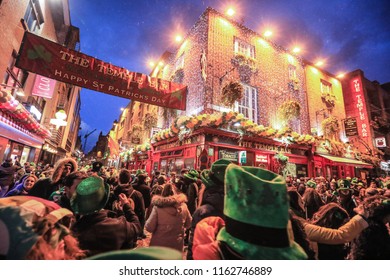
(192, 189)
(169, 219)
(126, 188)
(346, 199)
(24, 187)
(7, 172)
(212, 198)
(331, 216)
(373, 243)
(45, 187)
(100, 230)
(257, 221)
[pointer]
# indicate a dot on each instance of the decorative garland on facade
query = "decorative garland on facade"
(183, 126)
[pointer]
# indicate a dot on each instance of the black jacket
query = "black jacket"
(103, 231)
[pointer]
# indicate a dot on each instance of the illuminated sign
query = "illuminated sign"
(261, 158)
(380, 142)
(43, 87)
(357, 91)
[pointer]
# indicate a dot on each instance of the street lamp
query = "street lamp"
(60, 119)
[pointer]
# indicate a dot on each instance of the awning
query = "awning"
(347, 161)
(12, 107)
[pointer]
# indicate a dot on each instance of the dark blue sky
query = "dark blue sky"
(349, 34)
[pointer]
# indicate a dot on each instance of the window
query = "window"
(33, 16)
(14, 77)
(179, 64)
(248, 104)
(243, 48)
(326, 87)
(292, 72)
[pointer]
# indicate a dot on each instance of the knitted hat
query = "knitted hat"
(21, 223)
(144, 253)
(192, 175)
(91, 195)
(311, 184)
(256, 215)
(215, 176)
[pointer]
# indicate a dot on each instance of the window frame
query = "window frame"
(244, 48)
(250, 111)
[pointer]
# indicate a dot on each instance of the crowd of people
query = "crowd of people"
(229, 211)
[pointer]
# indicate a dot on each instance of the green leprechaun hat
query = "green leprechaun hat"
(256, 215)
(215, 176)
(91, 195)
(192, 175)
(144, 253)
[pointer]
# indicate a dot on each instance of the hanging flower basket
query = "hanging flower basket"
(328, 99)
(289, 110)
(150, 121)
(330, 127)
(231, 93)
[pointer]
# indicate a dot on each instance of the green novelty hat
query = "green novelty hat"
(354, 180)
(256, 215)
(343, 184)
(192, 175)
(215, 176)
(311, 184)
(144, 253)
(91, 195)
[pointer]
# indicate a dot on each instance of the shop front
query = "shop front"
(330, 167)
(18, 143)
(205, 146)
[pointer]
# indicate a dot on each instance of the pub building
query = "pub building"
(275, 121)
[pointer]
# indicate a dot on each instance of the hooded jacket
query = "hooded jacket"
(45, 187)
(168, 221)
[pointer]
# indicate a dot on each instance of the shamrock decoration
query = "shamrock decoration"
(39, 52)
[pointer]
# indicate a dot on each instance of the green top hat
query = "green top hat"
(256, 215)
(215, 176)
(311, 184)
(343, 184)
(91, 195)
(192, 175)
(144, 253)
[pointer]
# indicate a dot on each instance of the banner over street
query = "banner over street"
(46, 58)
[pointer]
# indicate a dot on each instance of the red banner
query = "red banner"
(57, 62)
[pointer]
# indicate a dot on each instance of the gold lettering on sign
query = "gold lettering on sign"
(262, 146)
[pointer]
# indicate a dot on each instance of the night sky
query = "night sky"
(348, 34)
